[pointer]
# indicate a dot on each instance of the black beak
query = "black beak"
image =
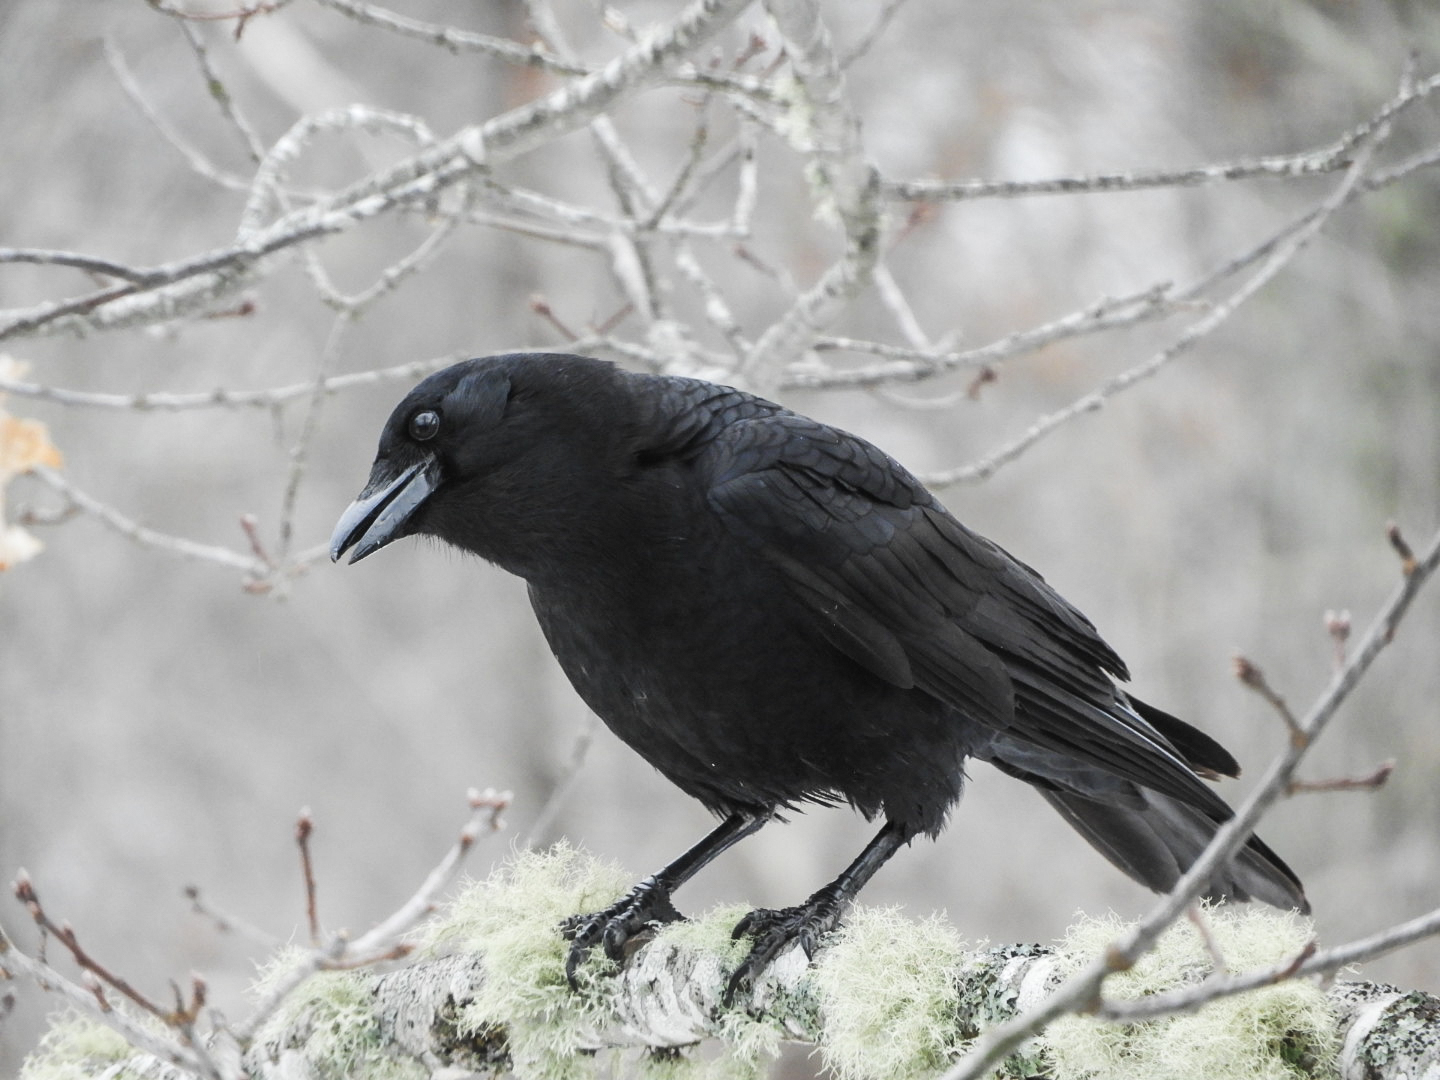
(380, 513)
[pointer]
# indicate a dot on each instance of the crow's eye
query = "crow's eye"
(425, 425)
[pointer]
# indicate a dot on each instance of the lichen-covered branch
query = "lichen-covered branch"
(886, 998)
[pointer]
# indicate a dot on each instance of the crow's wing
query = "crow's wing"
(901, 587)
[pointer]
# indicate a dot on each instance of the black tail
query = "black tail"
(1158, 841)
(1153, 835)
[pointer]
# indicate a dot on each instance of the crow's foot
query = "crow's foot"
(773, 931)
(646, 905)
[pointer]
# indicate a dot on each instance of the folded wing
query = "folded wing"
(893, 581)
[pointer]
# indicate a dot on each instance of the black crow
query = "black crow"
(773, 612)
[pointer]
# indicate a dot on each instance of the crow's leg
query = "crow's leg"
(773, 931)
(649, 902)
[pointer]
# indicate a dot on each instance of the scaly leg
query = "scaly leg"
(773, 931)
(649, 902)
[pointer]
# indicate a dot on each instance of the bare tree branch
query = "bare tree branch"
(1278, 253)
(1326, 159)
(194, 283)
(141, 534)
(452, 38)
(845, 187)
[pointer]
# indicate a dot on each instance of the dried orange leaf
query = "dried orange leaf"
(23, 445)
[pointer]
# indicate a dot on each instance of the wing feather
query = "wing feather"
(894, 582)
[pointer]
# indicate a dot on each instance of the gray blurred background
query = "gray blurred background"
(161, 727)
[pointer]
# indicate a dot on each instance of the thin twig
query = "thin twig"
(1338, 155)
(452, 38)
(141, 1036)
(1311, 163)
(300, 452)
(148, 537)
(565, 783)
(525, 201)
(1337, 625)
(1397, 541)
(268, 400)
(91, 264)
(250, 525)
(487, 808)
(873, 34)
(304, 828)
(381, 943)
(1251, 676)
(65, 934)
(1278, 255)
(1309, 963)
(540, 305)
(1196, 914)
(215, 86)
(274, 166)
(894, 300)
(242, 15)
(457, 40)
(678, 188)
(908, 364)
(229, 924)
(1370, 782)
(198, 162)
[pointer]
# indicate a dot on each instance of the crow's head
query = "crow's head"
(485, 455)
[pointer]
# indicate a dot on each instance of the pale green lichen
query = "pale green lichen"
(795, 121)
(888, 993)
(747, 1043)
(750, 1044)
(711, 933)
(76, 1047)
(1280, 1032)
(331, 1016)
(512, 920)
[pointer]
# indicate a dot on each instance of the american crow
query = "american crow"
(772, 611)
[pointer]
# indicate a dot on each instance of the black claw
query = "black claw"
(580, 930)
(774, 931)
(646, 906)
(613, 941)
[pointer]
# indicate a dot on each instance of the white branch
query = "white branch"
(1339, 155)
(844, 185)
(180, 288)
